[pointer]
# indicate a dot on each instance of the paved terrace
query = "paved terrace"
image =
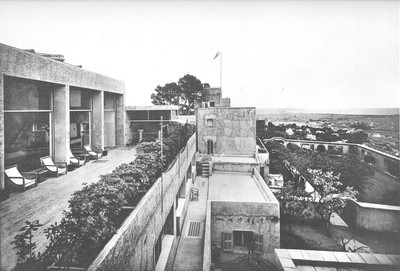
(189, 256)
(47, 201)
(235, 187)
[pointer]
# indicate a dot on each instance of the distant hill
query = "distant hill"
(349, 111)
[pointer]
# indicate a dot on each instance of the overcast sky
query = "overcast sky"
(301, 54)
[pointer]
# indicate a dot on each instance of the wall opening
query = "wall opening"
(321, 148)
(210, 146)
(27, 122)
(79, 131)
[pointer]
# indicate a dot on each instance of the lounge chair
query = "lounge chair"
(20, 179)
(76, 160)
(91, 153)
(57, 168)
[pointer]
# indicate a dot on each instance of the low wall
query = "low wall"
(207, 263)
(385, 162)
(132, 247)
(374, 217)
(232, 167)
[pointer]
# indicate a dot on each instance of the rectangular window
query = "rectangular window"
(80, 99)
(242, 238)
(110, 101)
(227, 241)
(258, 243)
(212, 104)
(138, 115)
(156, 114)
(210, 122)
(26, 139)
(23, 94)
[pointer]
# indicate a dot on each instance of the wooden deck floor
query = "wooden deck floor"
(47, 201)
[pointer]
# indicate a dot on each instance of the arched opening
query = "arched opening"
(321, 148)
(210, 146)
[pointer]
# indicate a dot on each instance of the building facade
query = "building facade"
(47, 107)
(226, 129)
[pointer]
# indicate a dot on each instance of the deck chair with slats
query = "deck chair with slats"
(20, 179)
(91, 153)
(76, 161)
(56, 168)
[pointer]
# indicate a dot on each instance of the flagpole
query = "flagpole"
(220, 73)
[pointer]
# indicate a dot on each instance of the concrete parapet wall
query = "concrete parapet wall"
(232, 167)
(207, 263)
(132, 248)
(374, 217)
(232, 208)
(264, 188)
(18, 63)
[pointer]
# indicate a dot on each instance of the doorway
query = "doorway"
(210, 146)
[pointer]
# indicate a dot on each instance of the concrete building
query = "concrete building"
(212, 97)
(47, 106)
(242, 215)
(144, 121)
(226, 129)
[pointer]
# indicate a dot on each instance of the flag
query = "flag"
(217, 55)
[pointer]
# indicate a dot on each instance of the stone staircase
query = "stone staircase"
(205, 169)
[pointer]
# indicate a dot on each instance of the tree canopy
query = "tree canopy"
(329, 199)
(185, 93)
(352, 170)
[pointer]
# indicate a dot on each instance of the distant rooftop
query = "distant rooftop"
(151, 107)
(56, 57)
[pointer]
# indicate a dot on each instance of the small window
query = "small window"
(210, 122)
(258, 243)
(212, 104)
(227, 241)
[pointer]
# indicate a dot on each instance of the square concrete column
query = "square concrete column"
(97, 129)
(61, 124)
(120, 121)
(1, 132)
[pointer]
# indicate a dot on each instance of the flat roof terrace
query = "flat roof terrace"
(235, 162)
(235, 187)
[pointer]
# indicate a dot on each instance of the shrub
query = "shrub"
(95, 209)
(23, 243)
